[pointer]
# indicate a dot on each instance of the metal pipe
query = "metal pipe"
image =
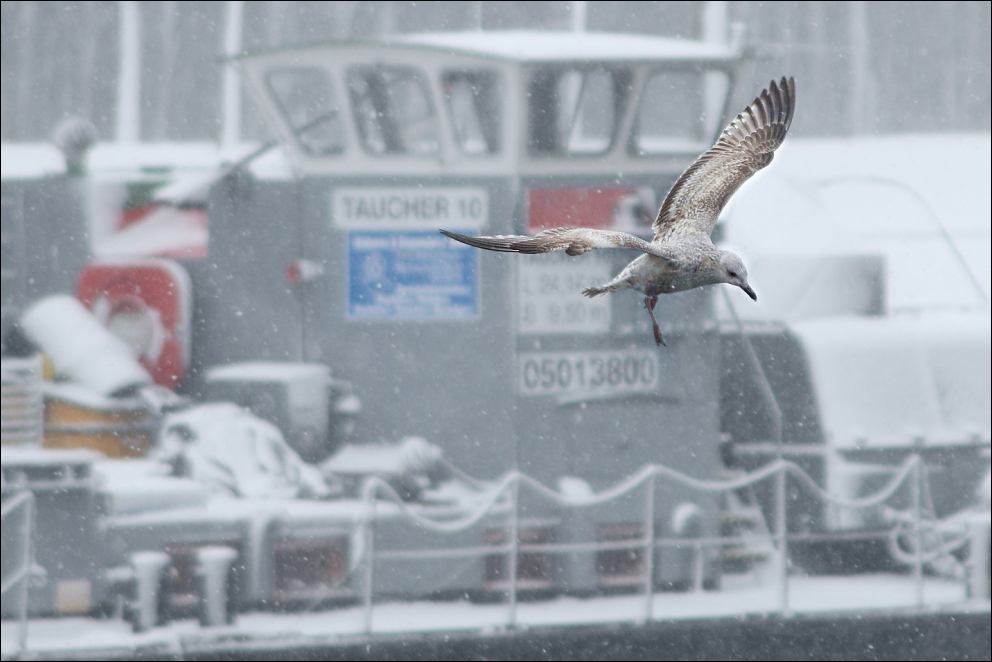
(22, 577)
(231, 96)
(649, 552)
(22, 636)
(763, 384)
(781, 533)
(978, 561)
(700, 567)
(514, 551)
(369, 555)
(918, 530)
(129, 80)
(580, 12)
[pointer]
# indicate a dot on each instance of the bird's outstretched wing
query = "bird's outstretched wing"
(574, 241)
(745, 147)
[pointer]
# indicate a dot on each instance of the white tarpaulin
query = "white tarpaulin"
(232, 450)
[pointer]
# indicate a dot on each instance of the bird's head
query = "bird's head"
(733, 272)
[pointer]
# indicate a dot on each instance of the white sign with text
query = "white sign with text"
(410, 208)
(549, 294)
(590, 373)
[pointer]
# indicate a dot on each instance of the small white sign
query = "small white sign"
(410, 208)
(549, 294)
(593, 373)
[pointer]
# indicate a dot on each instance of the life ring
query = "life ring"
(146, 303)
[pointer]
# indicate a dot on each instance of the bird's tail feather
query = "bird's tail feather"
(595, 291)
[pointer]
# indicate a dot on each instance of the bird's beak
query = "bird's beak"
(750, 292)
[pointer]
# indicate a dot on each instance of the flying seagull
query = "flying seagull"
(681, 255)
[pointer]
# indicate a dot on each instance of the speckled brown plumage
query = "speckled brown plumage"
(681, 255)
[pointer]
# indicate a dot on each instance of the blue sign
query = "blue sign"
(415, 275)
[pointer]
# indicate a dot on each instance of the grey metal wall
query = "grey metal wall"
(45, 240)
(605, 440)
(244, 308)
(456, 382)
(453, 382)
(67, 541)
(448, 381)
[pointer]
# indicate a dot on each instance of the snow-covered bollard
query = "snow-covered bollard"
(681, 567)
(215, 567)
(149, 581)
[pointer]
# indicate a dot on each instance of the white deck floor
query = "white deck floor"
(740, 597)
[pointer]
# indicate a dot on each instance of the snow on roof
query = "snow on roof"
(30, 160)
(86, 398)
(111, 160)
(45, 457)
(223, 509)
(133, 486)
(138, 493)
(876, 251)
(268, 371)
(922, 202)
(909, 378)
(164, 232)
(412, 454)
(546, 46)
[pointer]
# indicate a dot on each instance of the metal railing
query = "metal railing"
(916, 538)
(20, 575)
(504, 496)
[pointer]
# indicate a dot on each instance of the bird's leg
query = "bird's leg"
(649, 303)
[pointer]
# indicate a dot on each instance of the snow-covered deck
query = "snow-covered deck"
(862, 596)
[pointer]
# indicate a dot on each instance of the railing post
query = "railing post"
(514, 550)
(22, 637)
(700, 569)
(649, 540)
(782, 534)
(370, 490)
(918, 528)
(978, 560)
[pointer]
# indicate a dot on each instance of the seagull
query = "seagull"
(681, 256)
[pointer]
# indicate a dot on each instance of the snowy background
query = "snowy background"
(863, 67)
(884, 88)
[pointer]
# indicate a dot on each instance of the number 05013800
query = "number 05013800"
(554, 373)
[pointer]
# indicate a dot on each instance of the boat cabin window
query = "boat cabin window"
(576, 111)
(474, 105)
(310, 104)
(680, 111)
(393, 111)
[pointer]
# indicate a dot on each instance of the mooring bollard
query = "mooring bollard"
(215, 568)
(149, 578)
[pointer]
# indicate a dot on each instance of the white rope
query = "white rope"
(909, 558)
(876, 499)
(375, 485)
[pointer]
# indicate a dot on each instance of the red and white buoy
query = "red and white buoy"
(146, 303)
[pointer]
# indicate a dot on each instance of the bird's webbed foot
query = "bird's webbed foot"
(649, 303)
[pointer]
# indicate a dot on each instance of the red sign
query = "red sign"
(628, 209)
(146, 303)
